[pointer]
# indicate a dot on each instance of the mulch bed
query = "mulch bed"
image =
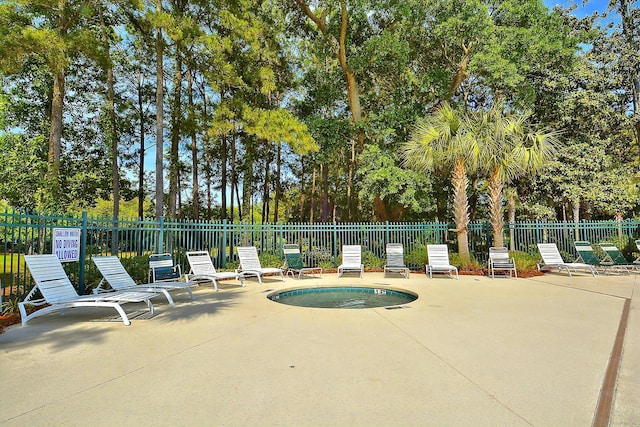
(7, 320)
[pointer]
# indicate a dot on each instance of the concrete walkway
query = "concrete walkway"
(475, 351)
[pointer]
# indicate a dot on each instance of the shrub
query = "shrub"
(372, 262)
(137, 267)
(524, 261)
(268, 259)
(417, 258)
(11, 306)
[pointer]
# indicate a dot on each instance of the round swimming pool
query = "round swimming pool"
(343, 297)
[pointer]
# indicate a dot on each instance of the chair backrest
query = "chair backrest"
(395, 255)
(50, 278)
(200, 263)
(160, 260)
(550, 253)
(585, 250)
(162, 267)
(438, 255)
(613, 253)
(248, 256)
(113, 272)
(352, 255)
(293, 256)
(499, 255)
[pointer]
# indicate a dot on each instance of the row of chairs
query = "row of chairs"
(612, 259)
(118, 287)
(438, 255)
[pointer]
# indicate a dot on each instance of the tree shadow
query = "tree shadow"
(78, 326)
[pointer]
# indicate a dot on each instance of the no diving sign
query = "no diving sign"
(66, 244)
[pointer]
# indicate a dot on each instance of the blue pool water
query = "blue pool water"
(343, 297)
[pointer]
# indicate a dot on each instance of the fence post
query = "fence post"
(335, 244)
(83, 253)
(223, 248)
(386, 232)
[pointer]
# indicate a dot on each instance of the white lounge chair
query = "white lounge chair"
(57, 291)
(294, 264)
(439, 261)
(637, 260)
(250, 264)
(551, 259)
(202, 270)
(351, 260)
(499, 260)
(395, 260)
(162, 269)
(114, 274)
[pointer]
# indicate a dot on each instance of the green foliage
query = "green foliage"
(381, 179)
(371, 262)
(10, 306)
(279, 125)
(525, 261)
(128, 208)
(417, 257)
(137, 267)
(22, 166)
(267, 73)
(269, 259)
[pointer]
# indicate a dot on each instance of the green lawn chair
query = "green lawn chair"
(587, 255)
(615, 257)
(295, 265)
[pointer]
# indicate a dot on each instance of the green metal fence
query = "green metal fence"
(24, 232)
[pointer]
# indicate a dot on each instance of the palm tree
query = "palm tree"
(442, 140)
(510, 148)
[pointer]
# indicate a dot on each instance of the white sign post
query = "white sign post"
(66, 244)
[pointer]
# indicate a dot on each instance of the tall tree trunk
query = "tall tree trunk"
(223, 177)
(576, 218)
(302, 189)
(278, 192)
(495, 208)
(266, 184)
(208, 178)
(628, 27)
(176, 124)
(234, 179)
(460, 210)
(247, 184)
(312, 210)
(159, 118)
(141, 151)
(325, 209)
(179, 211)
(51, 198)
(461, 73)
(112, 135)
(194, 148)
(247, 193)
(353, 95)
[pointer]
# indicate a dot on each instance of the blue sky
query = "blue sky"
(590, 6)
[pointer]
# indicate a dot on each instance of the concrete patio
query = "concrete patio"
(473, 351)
